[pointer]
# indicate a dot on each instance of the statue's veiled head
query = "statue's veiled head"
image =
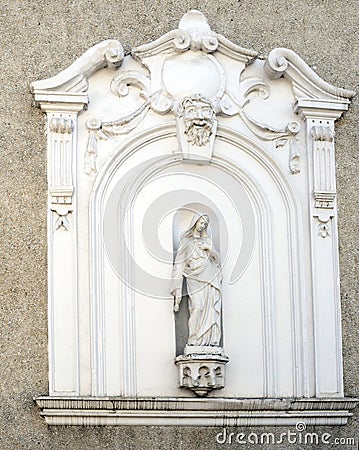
(199, 224)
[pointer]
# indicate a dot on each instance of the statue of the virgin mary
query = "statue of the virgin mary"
(199, 263)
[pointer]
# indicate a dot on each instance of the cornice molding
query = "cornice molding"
(74, 79)
(218, 412)
(306, 83)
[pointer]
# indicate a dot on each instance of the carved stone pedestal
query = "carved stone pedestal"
(201, 371)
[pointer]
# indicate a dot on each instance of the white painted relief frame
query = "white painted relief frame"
(120, 136)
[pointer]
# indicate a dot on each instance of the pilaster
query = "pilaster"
(61, 112)
(319, 117)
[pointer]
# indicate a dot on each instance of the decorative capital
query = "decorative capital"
(60, 102)
(61, 125)
(322, 133)
(332, 109)
(324, 191)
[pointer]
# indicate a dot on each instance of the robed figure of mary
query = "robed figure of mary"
(199, 263)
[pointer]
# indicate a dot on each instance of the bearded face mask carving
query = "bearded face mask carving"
(198, 115)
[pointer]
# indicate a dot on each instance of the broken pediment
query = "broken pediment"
(192, 125)
(193, 60)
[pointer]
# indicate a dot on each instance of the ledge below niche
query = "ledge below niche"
(170, 411)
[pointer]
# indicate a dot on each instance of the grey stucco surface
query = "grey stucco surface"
(38, 39)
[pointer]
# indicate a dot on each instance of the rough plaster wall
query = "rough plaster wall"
(38, 39)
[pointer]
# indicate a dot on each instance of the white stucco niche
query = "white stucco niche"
(125, 171)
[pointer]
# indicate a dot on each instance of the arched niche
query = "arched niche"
(192, 118)
(133, 204)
